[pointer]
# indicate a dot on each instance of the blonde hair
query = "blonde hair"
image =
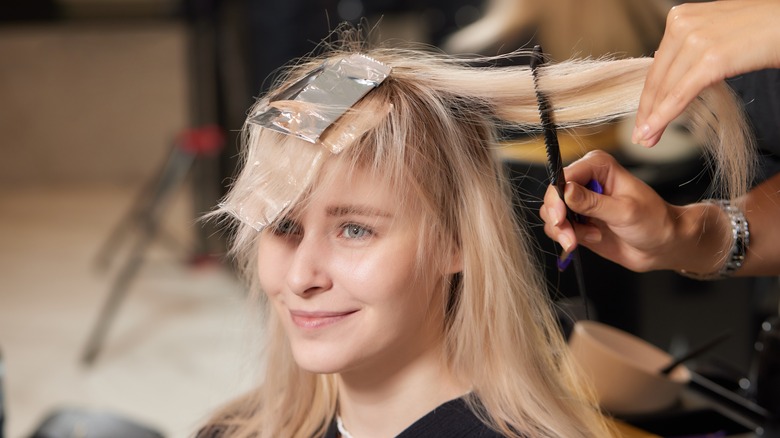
(433, 134)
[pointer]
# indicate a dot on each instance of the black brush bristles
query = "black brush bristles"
(555, 169)
(554, 160)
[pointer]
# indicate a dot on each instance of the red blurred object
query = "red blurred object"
(205, 140)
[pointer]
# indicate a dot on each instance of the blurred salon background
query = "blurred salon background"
(118, 130)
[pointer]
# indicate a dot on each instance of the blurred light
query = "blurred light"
(466, 15)
(350, 10)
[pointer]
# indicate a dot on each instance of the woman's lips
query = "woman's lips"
(315, 320)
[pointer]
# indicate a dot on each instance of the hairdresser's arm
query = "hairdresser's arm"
(633, 226)
(705, 43)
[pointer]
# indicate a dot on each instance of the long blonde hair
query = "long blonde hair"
(433, 133)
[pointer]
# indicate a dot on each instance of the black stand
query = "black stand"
(145, 216)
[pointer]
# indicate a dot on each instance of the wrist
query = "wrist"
(715, 244)
(698, 238)
(675, 228)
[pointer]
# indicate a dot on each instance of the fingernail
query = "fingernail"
(635, 135)
(593, 236)
(564, 261)
(640, 133)
(565, 242)
(650, 141)
(575, 195)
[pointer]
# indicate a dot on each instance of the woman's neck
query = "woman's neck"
(383, 404)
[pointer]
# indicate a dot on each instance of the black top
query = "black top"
(452, 419)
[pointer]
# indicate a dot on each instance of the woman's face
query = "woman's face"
(342, 277)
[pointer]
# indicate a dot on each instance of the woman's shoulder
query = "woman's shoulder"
(453, 419)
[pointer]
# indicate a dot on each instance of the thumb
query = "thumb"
(585, 202)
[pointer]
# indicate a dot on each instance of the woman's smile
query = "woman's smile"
(320, 319)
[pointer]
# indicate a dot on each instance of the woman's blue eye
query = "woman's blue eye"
(354, 231)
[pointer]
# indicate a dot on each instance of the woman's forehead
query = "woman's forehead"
(344, 184)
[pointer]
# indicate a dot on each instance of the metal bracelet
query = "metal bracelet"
(740, 238)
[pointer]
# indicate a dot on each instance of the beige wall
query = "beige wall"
(89, 103)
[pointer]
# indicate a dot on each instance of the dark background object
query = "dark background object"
(765, 381)
(66, 423)
(23, 11)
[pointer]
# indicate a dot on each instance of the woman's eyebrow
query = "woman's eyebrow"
(360, 210)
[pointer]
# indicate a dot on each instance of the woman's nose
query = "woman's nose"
(307, 272)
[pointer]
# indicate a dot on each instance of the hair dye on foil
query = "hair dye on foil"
(310, 106)
(292, 131)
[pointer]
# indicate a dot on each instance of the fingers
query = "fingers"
(663, 59)
(604, 208)
(665, 96)
(553, 213)
(562, 233)
(698, 64)
(596, 165)
(560, 230)
(553, 210)
(676, 93)
(704, 43)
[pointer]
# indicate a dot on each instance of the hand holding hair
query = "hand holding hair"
(704, 43)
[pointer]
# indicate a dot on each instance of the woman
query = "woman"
(401, 298)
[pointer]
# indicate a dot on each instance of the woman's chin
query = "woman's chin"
(329, 362)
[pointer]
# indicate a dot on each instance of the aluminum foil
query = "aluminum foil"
(308, 107)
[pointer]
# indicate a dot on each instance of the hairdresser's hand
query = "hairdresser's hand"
(629, 224)
(705, 43)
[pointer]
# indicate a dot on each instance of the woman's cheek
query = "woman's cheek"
(270, 269)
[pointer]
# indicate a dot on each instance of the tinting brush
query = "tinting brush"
(555, 169)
